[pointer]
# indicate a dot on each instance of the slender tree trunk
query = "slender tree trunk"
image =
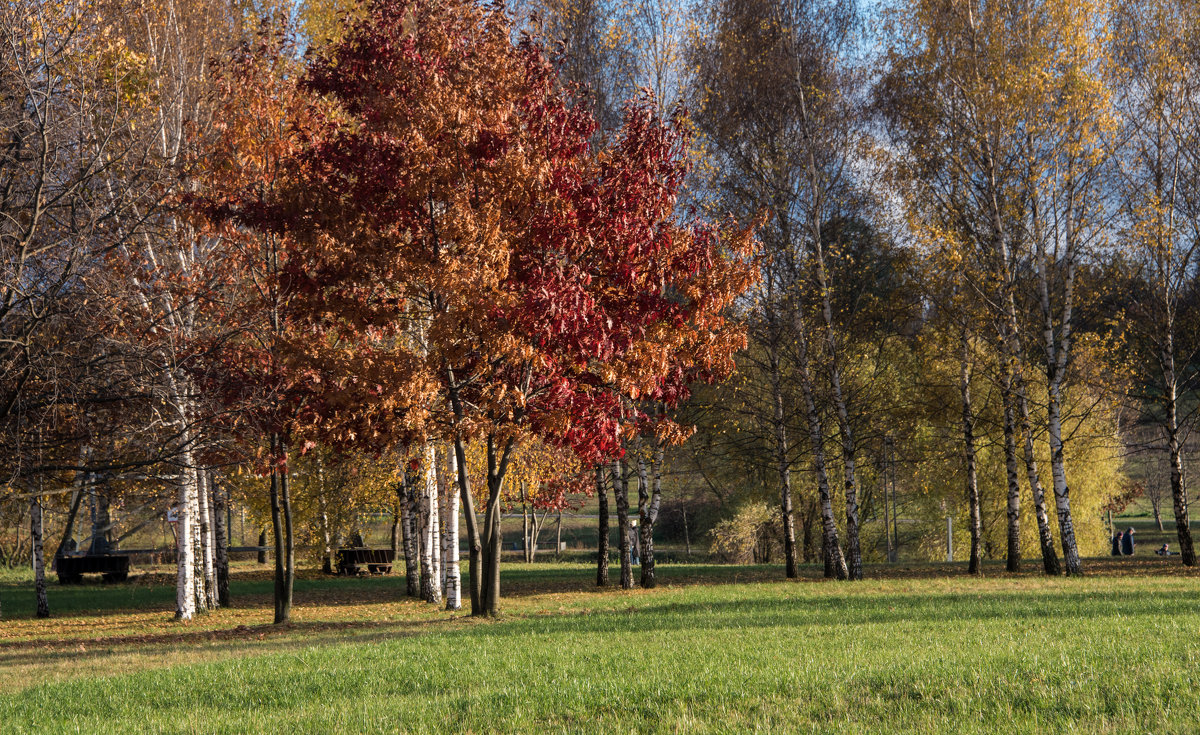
(621, 491)
(208, 599)
(648, 509)
(39, 560)
(526, 536)
(1062, 492)
(1013, 352)
(1013, 556)
(602, 538)
(326, 533)
(220, 503)
(497, 463)
(1057, 353)
(783, 466)
(185, 583)
(262, 547)
(1045, 537)
(474, 541)
(450, 532)
(1179, 498)
(853, 559)
(323, 516)
(431, 575)
(492, 548)
(412, 576)
(199, 577)
(289, 536)
(835, 563)
(968, 429)
(277, 534)
(558, 535)
(396, 550)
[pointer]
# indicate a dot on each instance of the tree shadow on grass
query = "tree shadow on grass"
(1017, 608)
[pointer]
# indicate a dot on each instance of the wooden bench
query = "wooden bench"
(350, 561)
(113, 567)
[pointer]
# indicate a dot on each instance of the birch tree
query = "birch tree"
(1012, 158)
(780, 133)
(1158, 159)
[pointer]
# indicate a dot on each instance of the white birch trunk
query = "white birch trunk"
(453, 584)
(207, 539)
(199, 529)
(428, 512)
(185, 583)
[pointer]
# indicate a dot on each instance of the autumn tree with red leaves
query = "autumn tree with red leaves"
(447, 215)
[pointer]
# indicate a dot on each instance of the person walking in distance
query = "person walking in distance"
(1127, 543)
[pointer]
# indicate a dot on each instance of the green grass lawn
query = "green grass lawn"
(706, 652)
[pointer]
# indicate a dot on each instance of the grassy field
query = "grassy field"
(714, 649)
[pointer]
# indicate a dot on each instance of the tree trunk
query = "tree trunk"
(1013, 556)
(281, 522)
(621, 491)
(474, 541)
(1058, 345)
(220, 503)
(783, 466)
(326, 533)
(396, 550)
(39, 560)
(431, 575)
(289, 538)
(1013, 353)
(1062, 492)
(412, 576)
(835, 563)
(648, 509)
(450, 534)
(497, 465)
(281, 614)
(207, 555)
(262, 547)
(853, 558)
(1045, 537)
(526, 536)
(185, 582)
(602, 538)
(323, 516)
(1179, 498)
(493, 545)
(968, 429)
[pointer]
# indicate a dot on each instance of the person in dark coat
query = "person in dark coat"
(1127, 543)
(1116, 543)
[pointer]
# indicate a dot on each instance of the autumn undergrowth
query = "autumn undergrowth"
(714, 649)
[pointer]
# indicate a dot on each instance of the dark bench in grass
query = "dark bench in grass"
(377, 561)
(113, 567)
